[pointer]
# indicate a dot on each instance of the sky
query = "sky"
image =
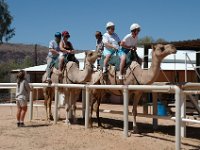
(36, 21)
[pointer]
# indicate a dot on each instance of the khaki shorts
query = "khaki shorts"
(21, 103)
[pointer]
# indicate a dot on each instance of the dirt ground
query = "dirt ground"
(41, 135)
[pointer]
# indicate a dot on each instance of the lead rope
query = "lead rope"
(134, 75)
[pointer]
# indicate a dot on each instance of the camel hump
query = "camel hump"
(134, 64)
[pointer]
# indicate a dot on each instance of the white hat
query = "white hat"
(110, 24)
(134, 26)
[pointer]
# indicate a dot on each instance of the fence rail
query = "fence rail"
(177, 90)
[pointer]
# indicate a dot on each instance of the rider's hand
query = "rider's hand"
(72, 52)
(115, 48)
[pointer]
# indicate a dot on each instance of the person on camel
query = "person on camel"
(111, 43)
(53, 54)
(99, 46)
(67, 50)
(129, 43)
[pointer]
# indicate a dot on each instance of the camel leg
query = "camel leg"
(134, 110)
(46, 99)
(67, 106)
(75, 96)
(50, 102)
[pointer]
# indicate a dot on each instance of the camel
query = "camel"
(133, 75)
(71, 74)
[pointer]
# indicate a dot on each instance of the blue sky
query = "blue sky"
(36, 21)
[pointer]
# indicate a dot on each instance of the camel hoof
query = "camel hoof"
(135, 130)
(51, 118)
(67, 122)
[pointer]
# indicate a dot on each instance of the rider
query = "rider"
(67, 50)
(129, 43)
(111, 43)
(53, 54)
(99, 46)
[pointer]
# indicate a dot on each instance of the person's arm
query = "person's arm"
(52, 50)
(123, 44)
(27, 86)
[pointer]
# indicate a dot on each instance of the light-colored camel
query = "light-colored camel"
(72, 74)
(135, 75)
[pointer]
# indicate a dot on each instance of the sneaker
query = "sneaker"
(48, 80)
(121, 77)
(21, 124)
(18, 124)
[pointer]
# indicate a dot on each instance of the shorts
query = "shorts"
(122, 52)
(108, 52)
(21, 103)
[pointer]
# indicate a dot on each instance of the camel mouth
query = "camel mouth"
(174, 52)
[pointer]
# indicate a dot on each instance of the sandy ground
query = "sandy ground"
(41, 135)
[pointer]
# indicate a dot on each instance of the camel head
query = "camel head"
(91, 56)
(161, 51)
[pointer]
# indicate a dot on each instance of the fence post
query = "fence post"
(56, 105)
(183, 114)
(31, 104)
(155, 109)
(83, 103)
(126, 101)
(178, 118)
(87, 107)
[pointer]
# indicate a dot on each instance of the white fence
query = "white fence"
(180, 125)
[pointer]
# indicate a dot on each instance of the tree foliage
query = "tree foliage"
(6, 31)
(12, 64)
(149, 40)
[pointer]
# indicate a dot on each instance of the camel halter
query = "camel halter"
(134, 75)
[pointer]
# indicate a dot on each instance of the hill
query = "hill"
(19, 52)
(19, 56)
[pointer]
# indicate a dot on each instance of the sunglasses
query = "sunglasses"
(113, 28)
(136, 30)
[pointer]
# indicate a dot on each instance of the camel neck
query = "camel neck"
(154, 69)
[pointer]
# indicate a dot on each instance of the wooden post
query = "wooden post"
(198, 62)
(145, 96)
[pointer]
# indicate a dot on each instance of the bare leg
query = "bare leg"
(18, 113)
(61, 62)
(23, 113)
(122, 63)
(106, 62)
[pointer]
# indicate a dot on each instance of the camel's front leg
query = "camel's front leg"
(67, 106)
(134, 110)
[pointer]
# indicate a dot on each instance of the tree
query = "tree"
(145, 40)
(160, 40)
(6, 32)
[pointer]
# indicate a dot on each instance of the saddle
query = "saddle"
(115, 61)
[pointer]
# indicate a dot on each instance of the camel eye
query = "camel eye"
(162, 49)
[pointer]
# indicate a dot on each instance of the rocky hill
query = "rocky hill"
(20, 52)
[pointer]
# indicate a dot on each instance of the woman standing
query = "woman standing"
(22, 96)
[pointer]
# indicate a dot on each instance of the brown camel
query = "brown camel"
(72, 74)
(134, 75)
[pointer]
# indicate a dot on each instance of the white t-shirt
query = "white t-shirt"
(53, 45)
(130, 41)
(111, 39)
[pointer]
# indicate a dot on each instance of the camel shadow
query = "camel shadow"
(144, 128)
